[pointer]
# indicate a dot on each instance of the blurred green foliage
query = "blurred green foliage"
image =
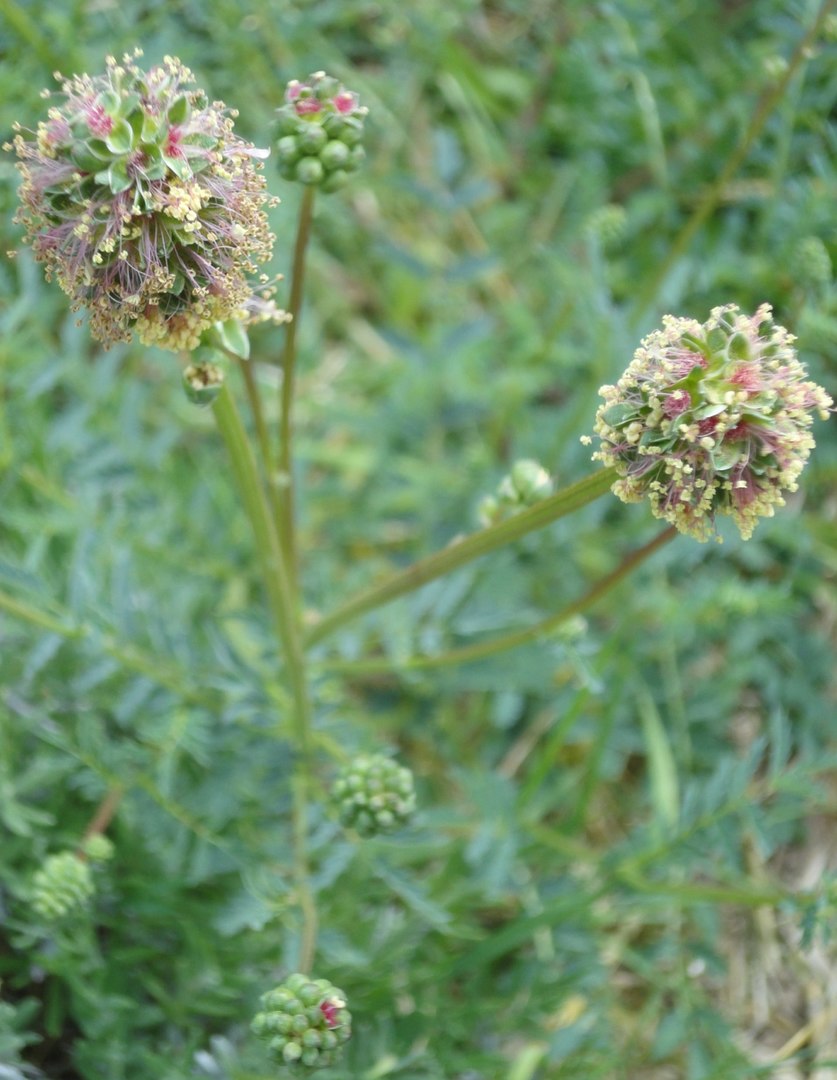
(603, 812)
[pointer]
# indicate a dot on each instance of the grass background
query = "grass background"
(622, 864)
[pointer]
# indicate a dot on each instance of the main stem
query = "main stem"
(285, 524)
(281, 588)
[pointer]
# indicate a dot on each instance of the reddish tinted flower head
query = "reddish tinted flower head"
(709, 419)
(142, 202)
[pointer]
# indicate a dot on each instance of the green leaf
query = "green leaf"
(413, 896)
(665, 789)
(725, 456)
(85, 159)
(739, 347)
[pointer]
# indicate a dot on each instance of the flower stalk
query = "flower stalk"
(286, 522)
(513, 640)
(461, 552)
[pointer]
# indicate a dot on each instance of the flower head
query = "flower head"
(374, 795)
(709, 419)
(304, 1022)
(320, 130)
(62, 886)
(142, 202)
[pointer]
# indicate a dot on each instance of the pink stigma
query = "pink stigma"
(344, 102)
(330, 1012)
(307, 105)
(173, 143)
(676, 403)
(98, 120)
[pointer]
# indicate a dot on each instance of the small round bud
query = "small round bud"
(334, 181)
(530, 481)
(98, 848)
(202, 382)
(349, 131)
(374, 795)
(335, 155)
(62, 886)
(288, 150)
(309, 170)
(312, 139)
(319, 1022)
(608, 225)
(291, 1052)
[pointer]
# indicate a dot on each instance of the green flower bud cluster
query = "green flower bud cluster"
(63, 885)
(608, 225)
(304, 1022)
(98, 848)
(810, 262)
(320, 132)
(527, 483)
(374, 795)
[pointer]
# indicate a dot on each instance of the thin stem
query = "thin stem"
(133, 659)
(767, 102)
(21, 610)
(285, 524)
(280, 586)
(464, 551)
(704, 892)
(516, 638)
(255, 400)
(104, 813)
(305, 894)
(262, 436)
